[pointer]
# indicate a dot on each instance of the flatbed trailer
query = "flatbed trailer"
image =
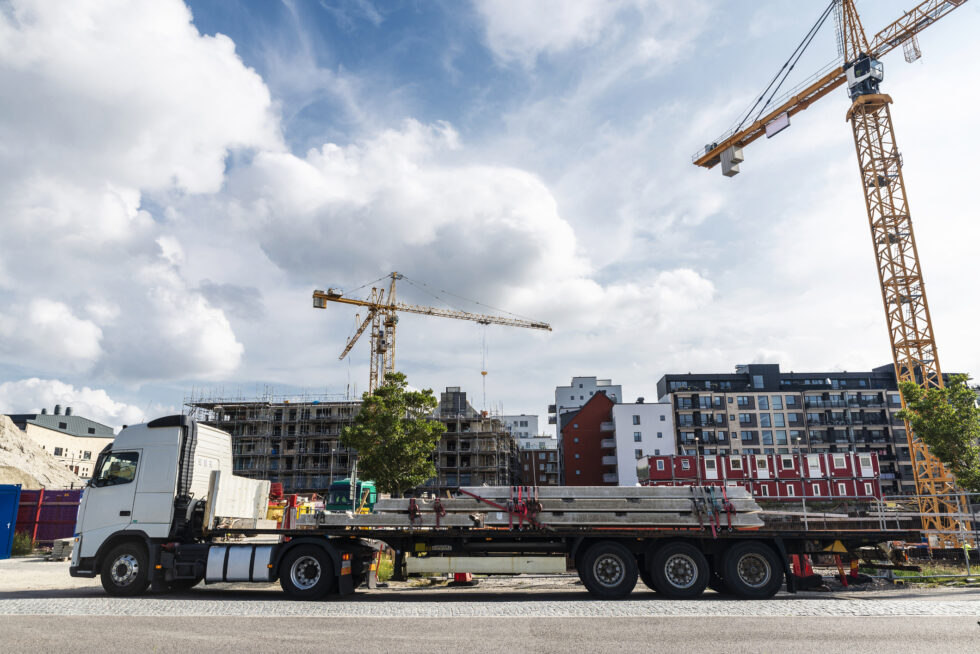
(175, 530)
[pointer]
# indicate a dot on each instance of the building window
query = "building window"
(766, 437)
(638, 454)
(575, 440)
(748, 435)
(709, 464)
(744, 418)
(764, 491)
(578, 472)
(720, 436)
(762, 463)
(790, 490)
(763, 402)
(786, 462)
(743, 400)
(91, 430)
(86, 456)
(867, 488)
(660, 463)
(777, 402)
(575, 426)
(816, 490)
(660, 434)
(636, 420)
(637, 437)
(780, 437)
(757, 381)
(779, 420)
(62, 425)
(839, 461)
(657, 452)
(790, 401)
(58, 451)
(663, 418)
(736, 464)
(765, 420)
(576, 455)
(685, 464)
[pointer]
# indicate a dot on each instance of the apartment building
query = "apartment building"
(574, 396)
(588, 444)
(759, 409)
(521, 426)
(539, 461)
(640, 430)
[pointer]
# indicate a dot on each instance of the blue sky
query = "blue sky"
(178, 178)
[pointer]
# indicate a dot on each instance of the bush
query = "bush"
(23, 544)
(386, 568)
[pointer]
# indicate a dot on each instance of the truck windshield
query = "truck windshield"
(116, 468)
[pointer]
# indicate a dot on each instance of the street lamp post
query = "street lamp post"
(697, 458)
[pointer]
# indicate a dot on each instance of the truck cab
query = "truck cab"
(339, 496)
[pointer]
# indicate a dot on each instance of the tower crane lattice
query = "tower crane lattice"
(382, 317)
(880, 164)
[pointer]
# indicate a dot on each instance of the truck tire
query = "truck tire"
(307, 573)
(679, 570)
(126, 570)
(608, 570)
(752, 570)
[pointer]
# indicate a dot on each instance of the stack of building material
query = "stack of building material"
(61, 549)
(564, 507)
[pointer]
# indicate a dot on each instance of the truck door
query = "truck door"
(108, 501)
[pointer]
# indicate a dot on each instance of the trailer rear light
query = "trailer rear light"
(346, 557)
(158, 566)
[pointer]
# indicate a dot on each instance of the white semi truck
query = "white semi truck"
(164, 512)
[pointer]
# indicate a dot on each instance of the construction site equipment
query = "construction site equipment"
(880, 165)
(163, 527)
(382, 310)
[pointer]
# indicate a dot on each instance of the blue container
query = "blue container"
(9, 500)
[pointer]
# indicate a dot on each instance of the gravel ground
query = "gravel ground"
(36, 587)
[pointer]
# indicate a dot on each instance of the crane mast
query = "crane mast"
(903, 292)
(382, 316)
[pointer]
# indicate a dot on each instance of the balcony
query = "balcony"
(610, 478)
(607, 426)
(609, 461)
(608, 443)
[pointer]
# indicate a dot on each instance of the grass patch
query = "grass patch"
(386, 568)
(23, 544)
(930, 574)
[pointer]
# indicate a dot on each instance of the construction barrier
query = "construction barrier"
(48, 515)
(9, 497)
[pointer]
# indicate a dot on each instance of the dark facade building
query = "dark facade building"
(539, 465)
(588, 444)
(762, 410)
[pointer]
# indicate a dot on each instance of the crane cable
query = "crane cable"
(786, 68)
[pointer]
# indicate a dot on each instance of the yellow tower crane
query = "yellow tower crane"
(382, 316)
(880, 165)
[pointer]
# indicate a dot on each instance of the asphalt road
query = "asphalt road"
(44, 610)
(505, 635)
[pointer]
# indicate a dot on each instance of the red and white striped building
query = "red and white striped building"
(770, 476)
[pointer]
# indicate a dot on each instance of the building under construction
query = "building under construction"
(296, 441)
(477, 449)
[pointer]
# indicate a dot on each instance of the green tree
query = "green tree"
(395, 436)
(948, 421)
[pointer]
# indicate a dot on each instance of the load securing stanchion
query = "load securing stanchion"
(414, 513)
(439, 510)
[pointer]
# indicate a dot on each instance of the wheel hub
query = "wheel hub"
(609, 570)
(681, 571)
(305, 572)
(125, 569)
(754, 570)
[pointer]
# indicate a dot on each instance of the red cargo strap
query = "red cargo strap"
(439, 510)
(527, 510)
(414, 513)
(729, 507)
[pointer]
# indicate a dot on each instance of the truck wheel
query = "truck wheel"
(752, 570)
(608, 570)
(306, 573)
(679, 570)
(126, 570)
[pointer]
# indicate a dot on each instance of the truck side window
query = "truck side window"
(116, 468)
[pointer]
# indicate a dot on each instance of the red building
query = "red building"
(774, 476)
(588, 444)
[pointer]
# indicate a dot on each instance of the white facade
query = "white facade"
(522, 426)
(581, 390)
(641, 430)
(538, 442)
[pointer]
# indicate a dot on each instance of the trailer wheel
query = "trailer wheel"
(752, 570)
(307, 573)
(679, 570)
(608, 570)
(126, 570)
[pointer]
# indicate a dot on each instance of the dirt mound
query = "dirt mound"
(22, 461)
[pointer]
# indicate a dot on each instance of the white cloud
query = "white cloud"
(32, 395)
(49, 332)
(107, 101)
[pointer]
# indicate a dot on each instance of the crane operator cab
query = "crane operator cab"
(863, 76)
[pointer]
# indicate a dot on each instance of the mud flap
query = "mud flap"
(345, 581)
